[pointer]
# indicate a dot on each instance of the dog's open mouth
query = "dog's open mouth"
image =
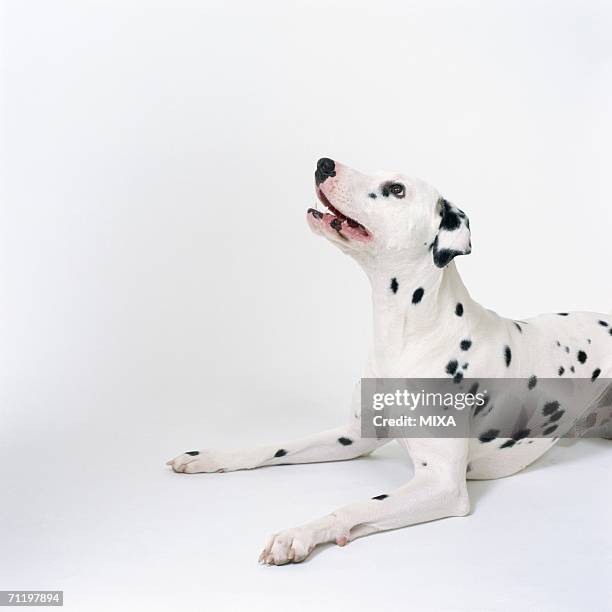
(342, 224)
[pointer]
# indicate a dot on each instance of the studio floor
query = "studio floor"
(88, 507)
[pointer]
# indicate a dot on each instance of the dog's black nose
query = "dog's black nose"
(325, 168)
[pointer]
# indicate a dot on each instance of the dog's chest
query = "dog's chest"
(457, 348)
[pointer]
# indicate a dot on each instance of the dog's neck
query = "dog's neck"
(412, 304)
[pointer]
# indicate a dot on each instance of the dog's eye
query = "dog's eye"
(396, 189)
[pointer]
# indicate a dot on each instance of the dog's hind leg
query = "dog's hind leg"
(437, 490)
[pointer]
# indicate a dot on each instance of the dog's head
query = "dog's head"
(386, 214)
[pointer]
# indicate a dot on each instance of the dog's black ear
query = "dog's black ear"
(453, 237)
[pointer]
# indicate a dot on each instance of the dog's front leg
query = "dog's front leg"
(332, 445)
(336, 444)
(437, 490)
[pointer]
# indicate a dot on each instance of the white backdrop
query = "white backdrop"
(159, 282)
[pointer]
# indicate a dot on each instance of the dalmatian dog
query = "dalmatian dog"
(405, 236)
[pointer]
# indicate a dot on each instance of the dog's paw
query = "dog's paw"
(193, 462)
(289, 546)
(294, 545)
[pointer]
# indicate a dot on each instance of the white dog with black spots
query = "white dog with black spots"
(405, 236)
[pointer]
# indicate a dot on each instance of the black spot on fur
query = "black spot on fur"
(549, 430)
(567, 349)
(465, 365)
(563, 314)
(458, 377)
(417, 296)
(507, 355)
(424, 463)
(281, 452)
(451, 366)
(550, 408)
(488, 435)
(582, 356)
(561, 371)
(557, 415)
(450, 219)
(573, 369)
(518, 327)
(383, 496)
(372, 195)
(345, 441)
(192, 453)
(443, 256)
(394, 285)
(532, 382)
(603, 323)
(595, 374)
(480, 408)
(459, 309)
(558, 343)
(508, 444)
(520, 434)
(465, 345)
